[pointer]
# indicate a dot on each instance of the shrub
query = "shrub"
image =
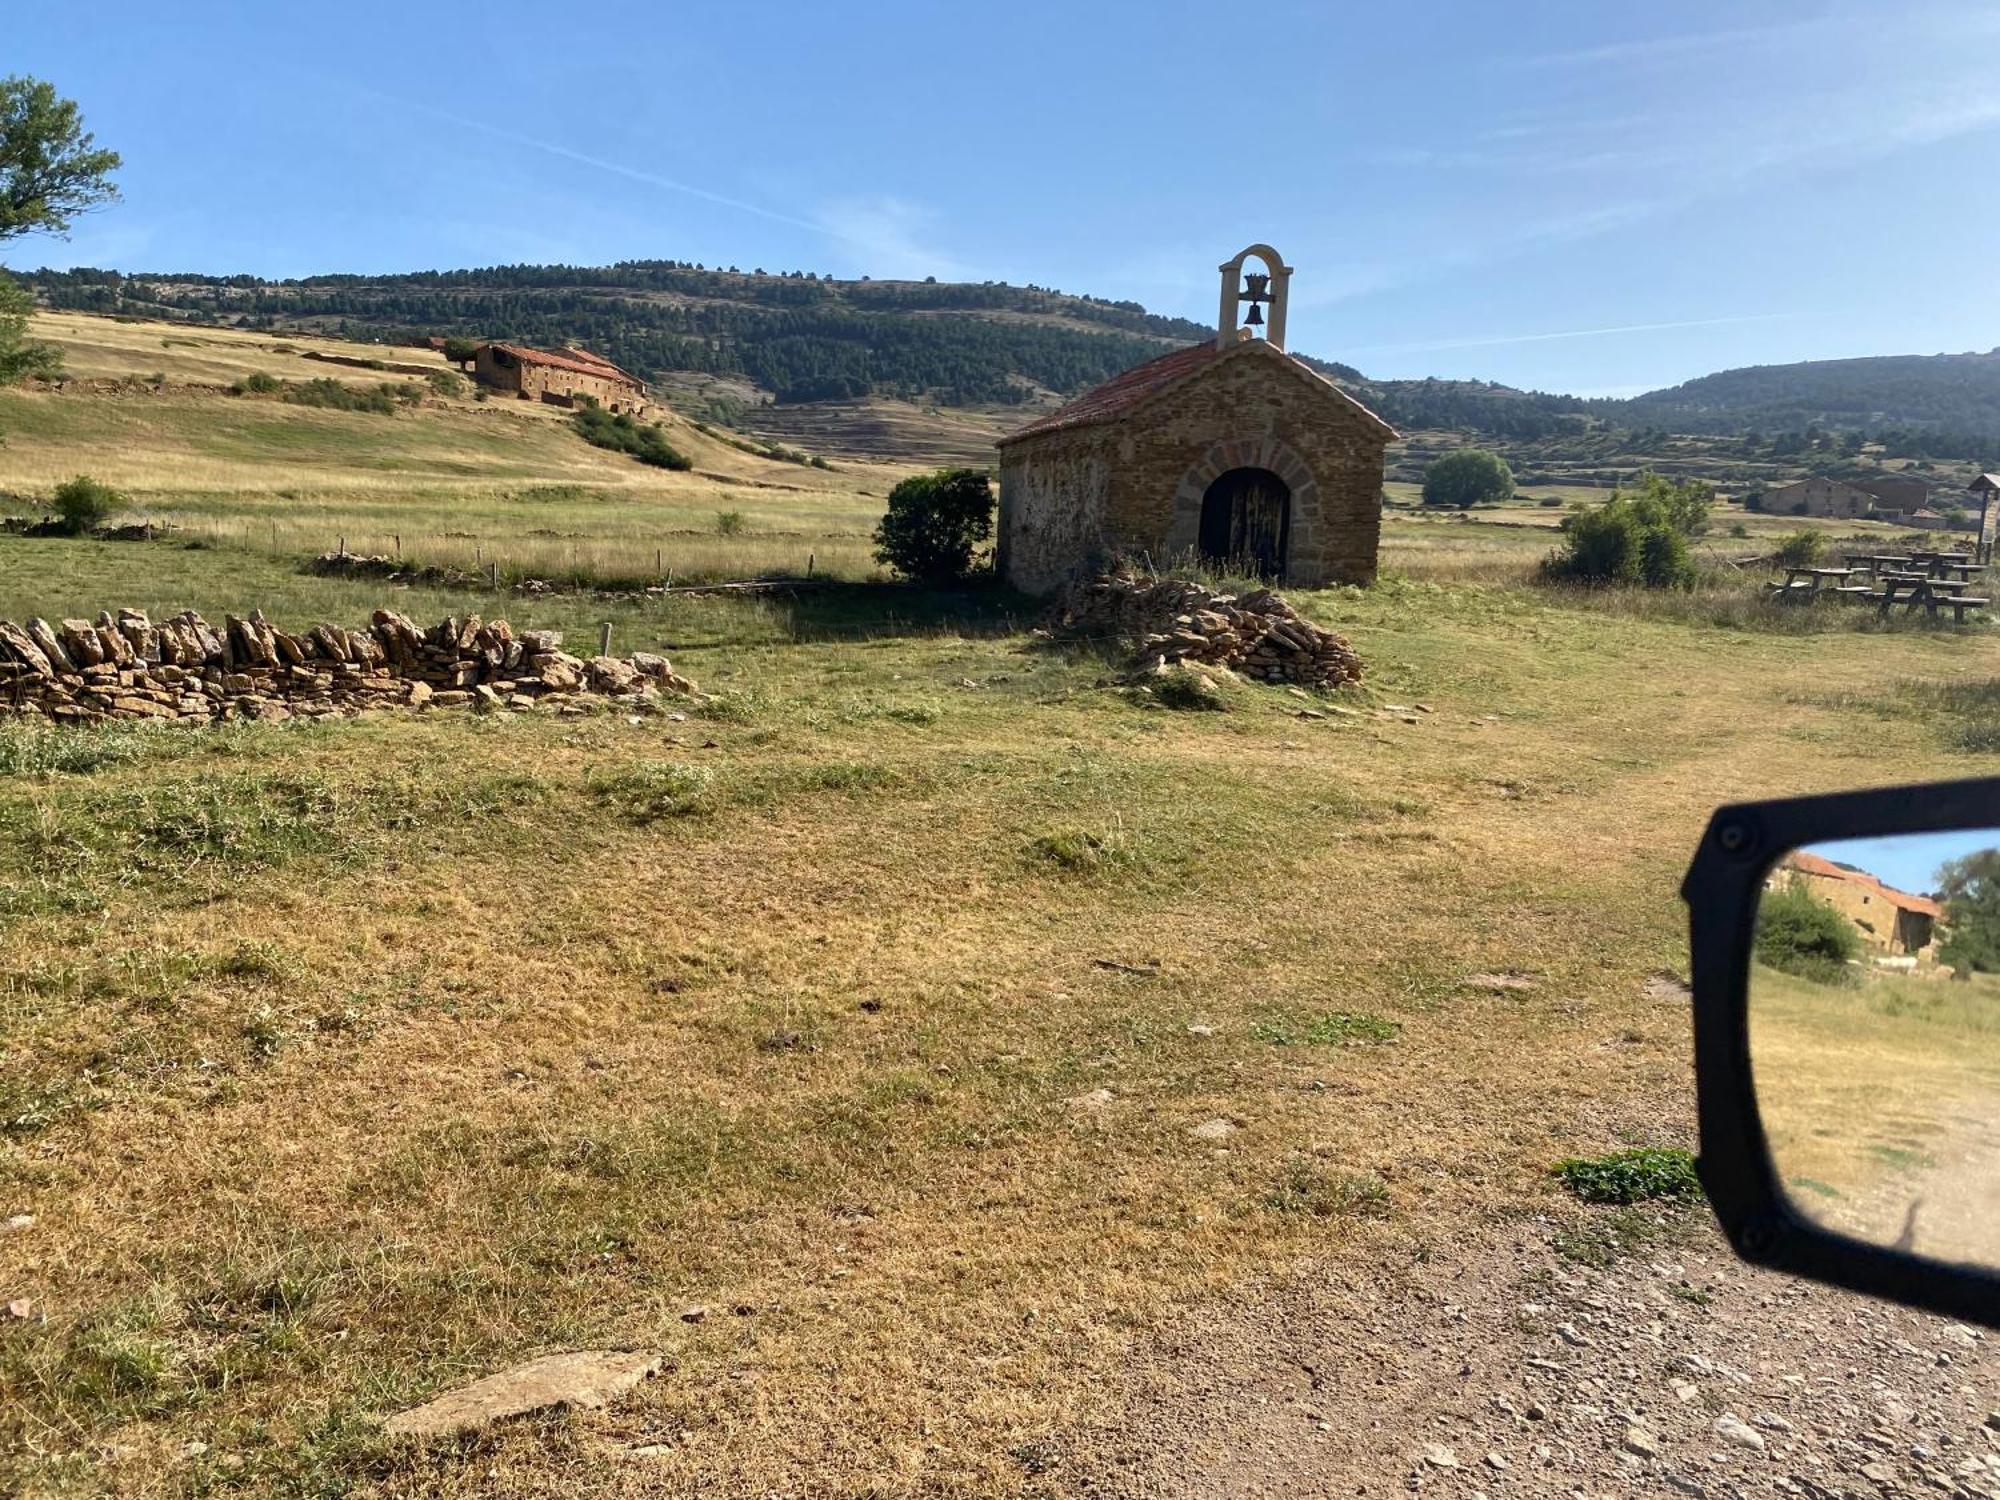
(83, 504)
(1467, 477)
(257, 383)
(1635, 537)
(1739, 529)
(331, 394)
(1631, 1176)
(447, 382)
(1619, 543)
(1682, 504)
(1801, 935)
(1801, 549)
(621, 434)
(934, 523)
(729, 523)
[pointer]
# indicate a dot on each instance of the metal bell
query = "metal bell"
(1256, 316)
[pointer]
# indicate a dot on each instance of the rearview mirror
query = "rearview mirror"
(1847, 1027)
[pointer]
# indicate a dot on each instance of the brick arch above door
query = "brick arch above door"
(1274, 454)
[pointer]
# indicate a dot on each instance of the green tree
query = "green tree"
(51, 168)
(1466, 477)
(1683, 504)
(1969, 890)
(461, 352)
(20, 356)
(934, 524)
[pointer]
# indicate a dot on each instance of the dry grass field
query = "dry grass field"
(1882, 1094)
(872, 1007)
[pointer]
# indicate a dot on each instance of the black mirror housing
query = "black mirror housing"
(1722, 891)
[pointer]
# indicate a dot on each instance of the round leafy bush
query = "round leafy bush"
(84, 504)
(935, 523)
(1467, 477)
(1802, 935)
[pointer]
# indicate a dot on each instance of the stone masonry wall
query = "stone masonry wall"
(1072, 499)
(184, 669)
(1248, 411)
(1052, 501)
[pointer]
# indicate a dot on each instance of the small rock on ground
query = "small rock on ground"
(586, 1378)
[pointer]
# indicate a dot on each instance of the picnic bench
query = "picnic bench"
(1913, 590)
(1802, 585)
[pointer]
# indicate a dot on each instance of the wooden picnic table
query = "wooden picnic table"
(1912, 590)
(1804, 583)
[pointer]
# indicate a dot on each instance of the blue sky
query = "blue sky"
(1908, 861)
(1585, 197)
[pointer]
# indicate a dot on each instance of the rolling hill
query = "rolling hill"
(934, 370)
(1945, 393)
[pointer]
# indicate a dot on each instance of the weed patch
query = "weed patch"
(1309, 1191)
(1635, 1176)
(655, 790)
(1077, 851)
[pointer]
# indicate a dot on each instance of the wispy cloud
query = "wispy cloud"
(890, 235)
(1433, 346)
(1695, 44)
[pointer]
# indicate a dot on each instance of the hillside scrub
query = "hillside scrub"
(618, 432)
(1801, 549)
(935, 523)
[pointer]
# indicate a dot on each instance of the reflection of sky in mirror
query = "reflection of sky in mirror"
(1907, 861)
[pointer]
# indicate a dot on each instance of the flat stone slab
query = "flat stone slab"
(583, 1378)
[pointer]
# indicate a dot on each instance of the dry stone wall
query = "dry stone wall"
(185, 669)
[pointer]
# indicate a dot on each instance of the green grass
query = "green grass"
(349, 1061)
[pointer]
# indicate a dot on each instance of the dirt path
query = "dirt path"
(1516, 1369)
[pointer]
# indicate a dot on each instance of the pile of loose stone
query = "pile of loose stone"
(185, 669)
(1172, 620)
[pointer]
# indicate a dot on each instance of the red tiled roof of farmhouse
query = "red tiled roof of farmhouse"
(1812, 864)
(1121, 393)
(571, 351)
(590, 366)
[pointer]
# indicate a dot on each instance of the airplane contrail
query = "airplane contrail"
(1569, 333)
(652, 179)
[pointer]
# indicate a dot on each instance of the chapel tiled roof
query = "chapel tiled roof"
(1124, 392)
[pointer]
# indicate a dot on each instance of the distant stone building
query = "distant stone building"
(557, 377)
(1893, 923)
(1898, 492)
(1230, 451)
(1819, 496)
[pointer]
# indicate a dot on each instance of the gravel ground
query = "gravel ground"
(1520, 1367)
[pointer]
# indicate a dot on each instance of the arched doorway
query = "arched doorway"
(1246, 522)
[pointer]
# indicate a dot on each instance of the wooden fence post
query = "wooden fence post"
(604, 639)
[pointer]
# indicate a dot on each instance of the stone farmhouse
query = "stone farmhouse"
(1230, 451)
(557, 377)
(1819, 496)
(1894, 924)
